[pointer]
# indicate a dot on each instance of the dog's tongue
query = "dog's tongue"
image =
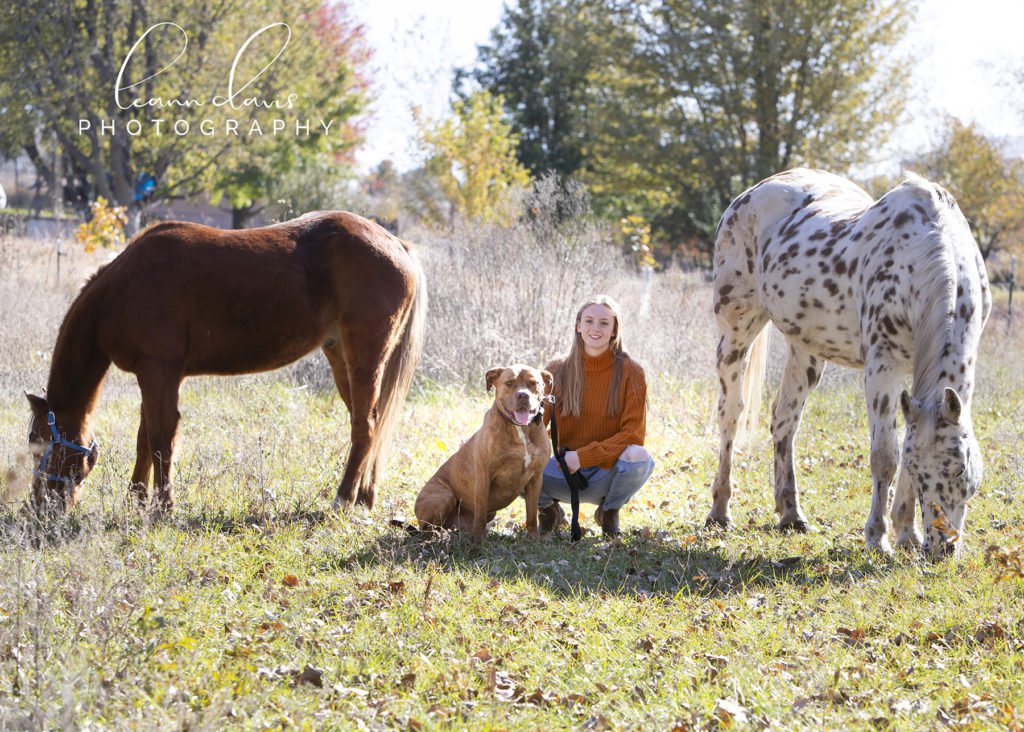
(521, 417)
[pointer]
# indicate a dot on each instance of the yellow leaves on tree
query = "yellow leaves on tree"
(987, 183)
(105, 227)
(636, 239)
(473, 157)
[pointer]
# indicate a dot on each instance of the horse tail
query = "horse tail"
(397, 378)
(753, 384)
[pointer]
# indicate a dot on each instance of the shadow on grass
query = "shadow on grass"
(639, 564)
(22, 527)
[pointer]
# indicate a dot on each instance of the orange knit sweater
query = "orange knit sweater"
(597, 438)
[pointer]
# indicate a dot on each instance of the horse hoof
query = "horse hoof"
(716, 522)
(880, 546)
(911, 541)
(798, 525)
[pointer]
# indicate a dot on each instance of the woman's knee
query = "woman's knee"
(635, 454)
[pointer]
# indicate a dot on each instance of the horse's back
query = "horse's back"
(786, 202)
(783, 252)
(230, 301)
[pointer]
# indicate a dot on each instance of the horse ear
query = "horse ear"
(909, 407)
(952, 407)
(493, 375)
(39, 405)
(549, 381)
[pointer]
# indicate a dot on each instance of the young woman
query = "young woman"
(601, 398)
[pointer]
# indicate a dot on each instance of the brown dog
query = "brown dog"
(503, 458)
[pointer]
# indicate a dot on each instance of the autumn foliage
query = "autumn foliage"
(105, 227)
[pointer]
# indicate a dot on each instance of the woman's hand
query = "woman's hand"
(572, 460)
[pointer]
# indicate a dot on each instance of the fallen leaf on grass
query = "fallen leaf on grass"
(407, 682)
(730, 712)
(598, 722)
(989, 631)
(308, 675)
(573, 699)
(541, 698)
(439, 710)
(290, 580)
(501, 685)
(349, 691)
(852, 636)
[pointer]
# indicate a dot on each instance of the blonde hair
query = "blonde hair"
(569, 377)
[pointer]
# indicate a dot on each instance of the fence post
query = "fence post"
(1009, 302)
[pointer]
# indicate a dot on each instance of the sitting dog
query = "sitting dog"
(501, 460)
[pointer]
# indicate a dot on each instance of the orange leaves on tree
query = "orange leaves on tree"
(105, 227)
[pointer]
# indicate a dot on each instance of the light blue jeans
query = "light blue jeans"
(615, 486)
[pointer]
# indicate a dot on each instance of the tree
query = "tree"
(719, 95)
(129, 99)
(541, 60)
(987, 183)
(667, 109)
(325, 70)
(472, 156)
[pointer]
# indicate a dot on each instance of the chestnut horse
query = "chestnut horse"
(185, 299)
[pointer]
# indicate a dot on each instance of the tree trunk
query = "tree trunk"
(239, 216)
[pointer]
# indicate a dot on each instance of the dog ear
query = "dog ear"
(549, 381)
(493, 375)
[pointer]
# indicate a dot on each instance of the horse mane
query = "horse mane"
(934, 309)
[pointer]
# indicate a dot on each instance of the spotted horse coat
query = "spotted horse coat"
(894, 287)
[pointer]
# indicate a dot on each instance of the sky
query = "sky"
(963, 49)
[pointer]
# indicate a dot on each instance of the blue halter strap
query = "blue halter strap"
(56, 439)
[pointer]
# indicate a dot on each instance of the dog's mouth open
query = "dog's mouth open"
(522, 417)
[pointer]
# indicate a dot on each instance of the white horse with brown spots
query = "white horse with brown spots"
(894, 287)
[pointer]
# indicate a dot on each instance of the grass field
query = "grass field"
(254, 606)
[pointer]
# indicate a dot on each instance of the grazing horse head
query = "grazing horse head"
(943, 463)
(63, 461)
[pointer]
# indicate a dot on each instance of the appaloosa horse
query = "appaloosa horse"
(895, 287)
(184, 299)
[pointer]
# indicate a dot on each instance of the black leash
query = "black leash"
(577, 481)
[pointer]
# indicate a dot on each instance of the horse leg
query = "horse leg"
(339, 368)
(357, 374)
(732, 363)
(903, 504)
(799, 378)
(159, 386)
(881, 385)
(139, 486)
